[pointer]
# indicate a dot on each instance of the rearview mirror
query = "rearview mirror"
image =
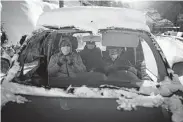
(120, 39)
(92, 38)
(178, 68)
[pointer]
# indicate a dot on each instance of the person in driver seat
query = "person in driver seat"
(117, 58)
(113, 58)
(91, 56)
(65, 63)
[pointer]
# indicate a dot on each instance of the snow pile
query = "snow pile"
(7, 96)
(168, 43)
(36, 91)
(145, 101)
(104, 92)
(165, 87)
(149, 87)
(94, 18)
(21, 19)
(86, 92)
(175, 105)
(181, 79)
(78, 91)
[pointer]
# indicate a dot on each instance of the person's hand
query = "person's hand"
(70, 60)
(61, 61)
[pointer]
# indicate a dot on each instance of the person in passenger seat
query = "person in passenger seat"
(91, 56)
(65, 63)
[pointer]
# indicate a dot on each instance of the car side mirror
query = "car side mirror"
(178, 68)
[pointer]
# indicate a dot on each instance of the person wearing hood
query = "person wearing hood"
(91, 56)
(65, 63)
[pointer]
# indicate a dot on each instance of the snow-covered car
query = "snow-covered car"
(178, 35)
(175, 56)
(92, 96)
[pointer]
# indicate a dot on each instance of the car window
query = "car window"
(151, 65)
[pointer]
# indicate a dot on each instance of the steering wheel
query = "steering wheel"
(123, 68)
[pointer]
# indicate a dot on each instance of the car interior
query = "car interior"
(133, 42)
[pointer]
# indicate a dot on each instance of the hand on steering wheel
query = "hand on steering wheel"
(126, 68)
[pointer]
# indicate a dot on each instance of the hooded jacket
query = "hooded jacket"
(65, 65)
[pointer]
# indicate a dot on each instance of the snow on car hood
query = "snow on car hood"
(128, 99)
(7, 96)
(94, 18)
(172, 48)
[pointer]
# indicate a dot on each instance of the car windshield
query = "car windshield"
(112, 58)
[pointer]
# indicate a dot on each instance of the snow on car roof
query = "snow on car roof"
(94, 18)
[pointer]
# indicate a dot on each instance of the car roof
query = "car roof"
(94, 18)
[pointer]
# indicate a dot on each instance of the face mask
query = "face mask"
(65, 50)
(114, 56)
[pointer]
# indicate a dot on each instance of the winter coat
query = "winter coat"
(61, 65)
(68, 67)
(92, 58)
(118, 63)
(124, 62)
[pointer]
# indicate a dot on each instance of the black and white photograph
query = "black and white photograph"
(91, 60)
